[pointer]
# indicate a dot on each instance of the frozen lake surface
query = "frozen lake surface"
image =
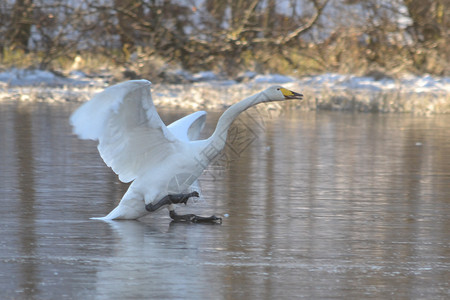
(319, 205)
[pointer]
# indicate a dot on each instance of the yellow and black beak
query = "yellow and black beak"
(290, 94)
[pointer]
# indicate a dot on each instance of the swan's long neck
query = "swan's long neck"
(218, 138)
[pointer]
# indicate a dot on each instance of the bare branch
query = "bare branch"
(306, 27)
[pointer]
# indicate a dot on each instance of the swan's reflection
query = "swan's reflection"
(153, 260)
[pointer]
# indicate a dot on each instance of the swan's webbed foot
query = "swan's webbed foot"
(171, 199)
(194, 218)
(178, 199)
(182, 198)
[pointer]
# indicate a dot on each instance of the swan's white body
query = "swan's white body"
(137, 145)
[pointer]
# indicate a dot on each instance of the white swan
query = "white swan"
(163, 162)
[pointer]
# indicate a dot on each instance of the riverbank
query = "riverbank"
(421, 95)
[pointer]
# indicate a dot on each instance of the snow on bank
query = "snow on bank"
(419, 94)
(410, 83)
(23, 77)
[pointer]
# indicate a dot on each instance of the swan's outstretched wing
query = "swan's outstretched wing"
(132, 137)
(189, 127)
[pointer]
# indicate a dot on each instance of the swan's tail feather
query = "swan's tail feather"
(101, 218)
(114, 214)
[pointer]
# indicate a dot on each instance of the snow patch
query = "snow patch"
(27, 77)
(205, 76)
(273, 78)
(407, 83)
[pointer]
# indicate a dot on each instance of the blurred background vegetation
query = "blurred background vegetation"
(145, 37)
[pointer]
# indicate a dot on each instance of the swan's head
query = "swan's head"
(279, 93)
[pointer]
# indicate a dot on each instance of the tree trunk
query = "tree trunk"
(429, 17)
(129, 12)
(19, 31)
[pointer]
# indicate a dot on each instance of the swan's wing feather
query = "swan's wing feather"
(189, 127)
(197, 126)
(132, 137)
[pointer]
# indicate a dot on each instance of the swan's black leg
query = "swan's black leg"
(153, 207)
(171, 199)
